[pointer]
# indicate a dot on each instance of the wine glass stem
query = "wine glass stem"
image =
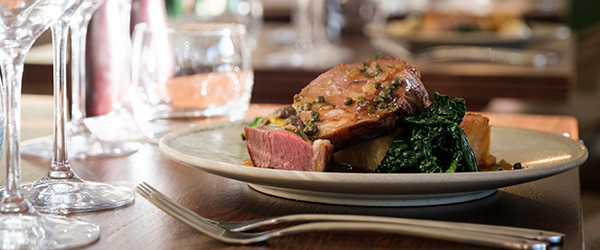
(60, 167)
(13, 59)
(303, 24)
(78, 83)
(12, 72)
(318, 21)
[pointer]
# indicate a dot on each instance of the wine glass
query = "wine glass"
(113, 73)
(311, 49)
(61, 190)
(21, 226)
(83, 143)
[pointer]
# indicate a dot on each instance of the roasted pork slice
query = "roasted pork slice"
(352, 103)
(286, 148)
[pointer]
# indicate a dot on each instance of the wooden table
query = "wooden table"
(551, 204)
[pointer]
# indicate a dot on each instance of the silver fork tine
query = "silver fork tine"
(177, 211)
(201, 224)
(190, 213)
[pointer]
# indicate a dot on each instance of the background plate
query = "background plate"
(540, 31)
(218, 149)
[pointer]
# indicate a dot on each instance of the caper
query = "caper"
(396, 82)
(314, 116)
(370, 109)
(385, 97)
(320, 99)
(378, 99)
(385, 91)
(382, 105)
(311, 129)
(376, 85)
(377, 70)
(518, 166)
(360, 99)
(291, 121)
(297, 98)
(307, 106)
(362, 68)
(347, 101)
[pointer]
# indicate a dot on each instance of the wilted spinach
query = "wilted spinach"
(433, 141)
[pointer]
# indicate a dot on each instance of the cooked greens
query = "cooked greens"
(433, 142)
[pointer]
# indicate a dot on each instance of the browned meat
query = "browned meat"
(278, 148)
(352, 103)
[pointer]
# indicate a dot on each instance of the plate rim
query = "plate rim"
(271, 177)
(539, 31)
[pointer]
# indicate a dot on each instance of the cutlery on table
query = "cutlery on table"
(237, 232)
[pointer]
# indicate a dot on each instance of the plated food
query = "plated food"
(443, 23)
(373, 116)
(217, 149)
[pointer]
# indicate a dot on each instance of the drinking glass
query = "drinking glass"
(61, 190)
(82, 142)
(188, 74)
(21, 226)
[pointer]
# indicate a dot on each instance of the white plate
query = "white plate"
(219, 149)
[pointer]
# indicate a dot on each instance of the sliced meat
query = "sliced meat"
(352, 103)
(277, 148)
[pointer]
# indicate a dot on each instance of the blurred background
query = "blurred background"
(517, 56)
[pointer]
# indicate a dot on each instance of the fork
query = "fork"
(235, 232)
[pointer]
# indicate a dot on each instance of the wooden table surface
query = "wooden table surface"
(551, 204)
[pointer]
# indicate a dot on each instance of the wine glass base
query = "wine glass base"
(35, 231)
(63, 196)
(116, 125)
(80, 147)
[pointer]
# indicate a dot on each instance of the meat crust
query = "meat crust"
(371, 112)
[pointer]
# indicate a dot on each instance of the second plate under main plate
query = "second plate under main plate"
(219, 149)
